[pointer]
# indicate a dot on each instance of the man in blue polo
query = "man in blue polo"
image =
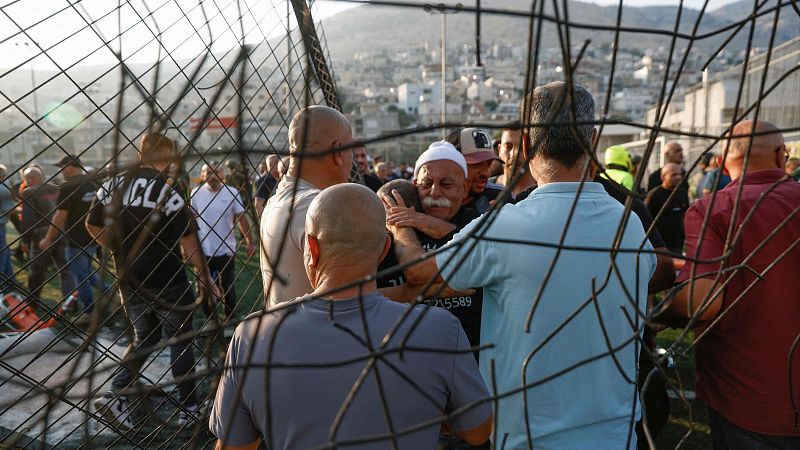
(553, 333)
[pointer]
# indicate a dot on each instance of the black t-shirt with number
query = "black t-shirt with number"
(466, 308)
(153, 217)
(75, 196)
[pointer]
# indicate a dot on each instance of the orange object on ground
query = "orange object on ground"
(22, 315)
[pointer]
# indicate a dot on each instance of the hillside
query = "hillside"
(371, 28)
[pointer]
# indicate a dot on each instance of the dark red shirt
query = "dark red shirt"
(742, 363)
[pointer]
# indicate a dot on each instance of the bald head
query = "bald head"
(671, 175)
(33, 176)
(766, 148)
(272, 162)
(673, 152)
(314, 128)
(313, 134)
(349, 222)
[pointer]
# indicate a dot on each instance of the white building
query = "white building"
(411, 95)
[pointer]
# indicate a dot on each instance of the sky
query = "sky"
(178, 20)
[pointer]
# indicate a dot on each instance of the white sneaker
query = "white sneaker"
(192, 414)
(115, 410)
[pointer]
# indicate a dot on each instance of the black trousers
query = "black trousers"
(223, 271)
(168, 313)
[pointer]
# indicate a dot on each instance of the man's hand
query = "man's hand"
(209, 292)
(251, 248)
(45, 242)
(394, 200)
(400, 216)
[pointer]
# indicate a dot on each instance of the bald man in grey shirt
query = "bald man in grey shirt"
(291, 372)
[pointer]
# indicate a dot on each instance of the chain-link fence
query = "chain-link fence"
(169, 123)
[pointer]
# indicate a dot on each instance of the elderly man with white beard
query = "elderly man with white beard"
(435, 195)
(439, 187)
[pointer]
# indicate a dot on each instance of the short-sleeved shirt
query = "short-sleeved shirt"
(157, 264)
(621, 195)
(742, 363)
(216, 216)
(467, 308)
(585, 398)
(38, 206)
(282, 246)
(670, 223)
(75, 196)
(295, 407)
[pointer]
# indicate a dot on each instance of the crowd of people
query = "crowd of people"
(497, 290)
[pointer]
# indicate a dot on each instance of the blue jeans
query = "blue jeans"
(727, 436)
(80, 266)
(6, 269)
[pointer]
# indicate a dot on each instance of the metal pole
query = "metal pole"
(444, 69)
(288, 80)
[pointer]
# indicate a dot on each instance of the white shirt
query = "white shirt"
(216, 213)
(282, 247)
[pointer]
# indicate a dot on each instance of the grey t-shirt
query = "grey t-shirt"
(317, 354)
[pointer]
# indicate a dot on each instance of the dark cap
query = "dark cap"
(68, 160)
(475, 144)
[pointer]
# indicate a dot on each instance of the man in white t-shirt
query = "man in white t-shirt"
(219, 209)
(319, 137)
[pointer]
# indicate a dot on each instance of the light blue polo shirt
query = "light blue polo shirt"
(590, 406)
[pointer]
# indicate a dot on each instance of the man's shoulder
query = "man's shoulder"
(288, 193)
(431, 323)
(257, 325)
(655, 193)
(492, 190)
(230, 192)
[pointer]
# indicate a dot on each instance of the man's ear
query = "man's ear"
(313, 249)
(721, 164)
(336, 155)
(594, 137)
(526, 142)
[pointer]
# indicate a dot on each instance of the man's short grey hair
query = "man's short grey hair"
(569, 142)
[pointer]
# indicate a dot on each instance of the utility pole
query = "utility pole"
(441, 8)
(444, 72)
